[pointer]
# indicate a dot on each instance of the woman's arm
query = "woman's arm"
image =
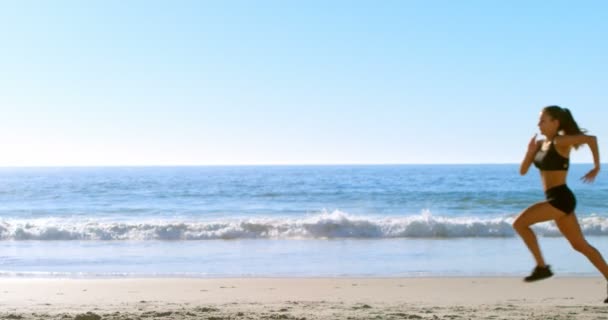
(533, 146)
(591, 141)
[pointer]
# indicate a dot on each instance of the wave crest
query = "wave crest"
(334, 225)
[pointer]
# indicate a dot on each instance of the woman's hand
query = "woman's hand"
(525, 164)
(532, 144)
(590, 176)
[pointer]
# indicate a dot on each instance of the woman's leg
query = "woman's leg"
(570, 228)
(538, 212)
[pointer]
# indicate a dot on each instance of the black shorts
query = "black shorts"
(561, 198)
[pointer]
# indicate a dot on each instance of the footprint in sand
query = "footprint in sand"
(365, 306)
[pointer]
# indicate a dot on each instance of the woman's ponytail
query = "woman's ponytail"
(567, 124)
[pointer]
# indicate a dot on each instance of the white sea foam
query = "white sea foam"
(326, 225)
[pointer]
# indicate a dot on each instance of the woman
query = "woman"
(551, 157)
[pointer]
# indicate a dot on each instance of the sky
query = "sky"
(105, 83)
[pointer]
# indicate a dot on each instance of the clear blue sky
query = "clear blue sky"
(294, 82)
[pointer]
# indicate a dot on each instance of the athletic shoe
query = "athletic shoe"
(539, 273)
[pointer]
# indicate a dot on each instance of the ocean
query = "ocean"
(284, 221)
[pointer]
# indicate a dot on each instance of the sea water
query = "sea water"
(284, 221)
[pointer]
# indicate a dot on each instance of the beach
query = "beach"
(303, 298)
(326, 242)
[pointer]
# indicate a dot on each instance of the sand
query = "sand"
(303, 298)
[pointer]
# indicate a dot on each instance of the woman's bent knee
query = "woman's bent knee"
(519, 225)
(582, 247)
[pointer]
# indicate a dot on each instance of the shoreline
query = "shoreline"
(309, 298)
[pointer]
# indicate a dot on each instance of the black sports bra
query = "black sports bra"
(550, 159)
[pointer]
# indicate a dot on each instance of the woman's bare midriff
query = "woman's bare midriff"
(552, 179)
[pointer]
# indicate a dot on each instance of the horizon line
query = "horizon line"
(262, 165)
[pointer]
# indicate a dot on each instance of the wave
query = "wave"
(326, 225)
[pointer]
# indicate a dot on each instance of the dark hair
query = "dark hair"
(567, 125)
